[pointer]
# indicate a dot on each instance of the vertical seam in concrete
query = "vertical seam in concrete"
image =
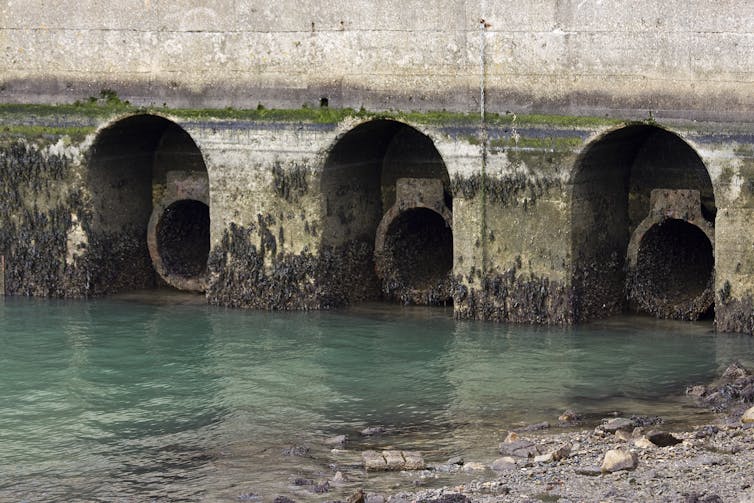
(483, 133)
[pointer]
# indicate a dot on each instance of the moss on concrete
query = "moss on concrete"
(107, 104)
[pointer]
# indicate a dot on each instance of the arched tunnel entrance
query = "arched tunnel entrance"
(643, 213)
(150, 222)
(387, 216)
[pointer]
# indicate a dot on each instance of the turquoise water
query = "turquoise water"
(126, 400)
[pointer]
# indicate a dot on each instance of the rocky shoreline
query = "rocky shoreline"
(621, 459)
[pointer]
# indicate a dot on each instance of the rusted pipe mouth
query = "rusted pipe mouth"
(674, 268)
(183, 239)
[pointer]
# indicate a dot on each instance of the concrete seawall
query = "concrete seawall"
(542, 209)
(548, 163)
(679, 59)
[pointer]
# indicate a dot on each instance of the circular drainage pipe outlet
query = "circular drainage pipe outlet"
(413, 253)
(671, 258)
(178, 235)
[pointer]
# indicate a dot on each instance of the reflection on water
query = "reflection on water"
(121, 399)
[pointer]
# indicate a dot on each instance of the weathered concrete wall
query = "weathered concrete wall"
(539, 203)
(677, 58)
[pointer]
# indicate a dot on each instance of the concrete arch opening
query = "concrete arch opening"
(150, 222)
(385, 182)
(625, 184)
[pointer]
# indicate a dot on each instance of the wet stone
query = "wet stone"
(296, 450)
(321, 488)
(535, 427)
(414, 460)
(618, 423)
(455, 460)
(519, 448)
(373, 430)
(337, 441)
(374, 461)
(392, 460)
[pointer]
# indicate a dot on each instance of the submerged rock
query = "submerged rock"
(535, 427)
(296, 450)
(373, 430)
(392, 460)
(568, 416)
(338, 441)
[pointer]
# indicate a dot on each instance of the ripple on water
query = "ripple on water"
(124, 399)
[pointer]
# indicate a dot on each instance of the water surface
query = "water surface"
(126, 400)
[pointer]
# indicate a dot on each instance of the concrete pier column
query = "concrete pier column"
(734, 270)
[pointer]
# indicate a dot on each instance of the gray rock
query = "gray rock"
(696, 391)
(392, 460)
(373, 461)
(707, 431)
(337, 441)
(519, 449)
(504, 464)
(373, 430)
(618, 423)
(590, 471)
(455, 460)
(734, 372)
(535, 427)
(562, 452)
(569, 415)
(296, 450)
(321, 488)
(413, 460)
(473, 467)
